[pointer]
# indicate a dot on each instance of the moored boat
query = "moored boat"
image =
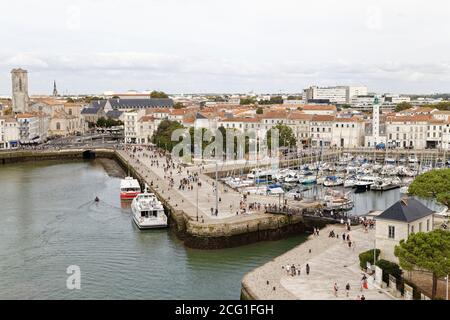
(129, 188)
(148, 211)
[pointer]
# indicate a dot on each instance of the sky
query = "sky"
(226, 46)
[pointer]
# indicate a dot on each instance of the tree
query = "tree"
(8, 111)
(285, 134)
(259, 110)
(426, 251)
(178, 105)
(273, 100)
(162, 137)
(247, 101)
(443, 106)
(403, 106)
(89, 99)
(101, 122)
(389, 268)
(108, 123)
(158, 95)
(434, 184)
(70, 100)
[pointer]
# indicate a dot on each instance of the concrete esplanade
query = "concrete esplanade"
(192, 210)
(330, 261)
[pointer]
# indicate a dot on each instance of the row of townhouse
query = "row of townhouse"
(139, 125)
(326, 129)
(9, 132)
(418, 132)
(23, 128)
(317, 130)
(418, 128)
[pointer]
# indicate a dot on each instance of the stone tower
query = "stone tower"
(20, 97)
(55, 91)
(376, 120)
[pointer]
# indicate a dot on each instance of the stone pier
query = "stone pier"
(330, 260)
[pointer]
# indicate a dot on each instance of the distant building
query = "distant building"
(55, 91)
(33, 128)
(362, 102)
(319, 109)
(20, 98)
(398, 222)
(338, 94)
(94, 111)
(293, 102)
(136, 104)
(376, 137)
(9, 133)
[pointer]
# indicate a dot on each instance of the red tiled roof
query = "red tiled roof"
(319, 107)
(323, 118)
(240, 120)
(413, 118)
(146, 119)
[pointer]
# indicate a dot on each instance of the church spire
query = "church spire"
(55, 91)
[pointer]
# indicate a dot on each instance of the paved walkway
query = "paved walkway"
(330, 261)
(206, 198)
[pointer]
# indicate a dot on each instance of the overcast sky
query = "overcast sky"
(182, 46)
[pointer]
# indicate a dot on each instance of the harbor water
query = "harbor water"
(49, 221)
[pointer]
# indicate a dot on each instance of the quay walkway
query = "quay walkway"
(330, 261)
(201, 199)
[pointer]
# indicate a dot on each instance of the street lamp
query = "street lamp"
(446, 291)
(198, 186)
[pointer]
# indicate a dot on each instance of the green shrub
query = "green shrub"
(389, 268)
(367, 256)
(416, 291)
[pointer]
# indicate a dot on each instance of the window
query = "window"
(391, 232)
(420, 226)
(428, 224)
(412, 229)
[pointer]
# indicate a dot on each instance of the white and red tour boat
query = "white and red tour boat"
(129, 188)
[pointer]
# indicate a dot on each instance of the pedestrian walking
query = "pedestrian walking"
(307, 269)
(335, 289)
(347, 288)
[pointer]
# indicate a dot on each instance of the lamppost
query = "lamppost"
(374, 251)
(217, 188)
(446, 291)
(198, 186)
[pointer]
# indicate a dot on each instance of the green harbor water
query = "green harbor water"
(48, 222)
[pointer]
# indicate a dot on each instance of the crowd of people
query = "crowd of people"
(293, 270)
(368, 224)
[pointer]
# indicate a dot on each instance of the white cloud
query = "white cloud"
(217, 45)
